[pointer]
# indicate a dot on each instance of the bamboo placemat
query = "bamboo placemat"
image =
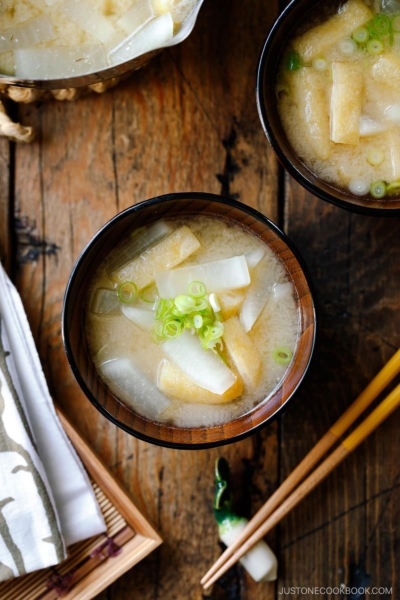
(93, 564)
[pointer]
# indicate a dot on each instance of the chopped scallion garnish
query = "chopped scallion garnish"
(320, 64)
(294, 62)
(361, 35)
(375, 157)
(393, 188)
(375, 47)
(127, 292)
(149, 294)
(347, 46)
(378, 189)
(282, 355)
(197, 289)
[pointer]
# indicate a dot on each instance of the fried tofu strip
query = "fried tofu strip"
(242, 351)
(387, 70)
(346, 103)
(165, 255)
(308, 93)
(319, 39)
(230, 303)
(173, 382)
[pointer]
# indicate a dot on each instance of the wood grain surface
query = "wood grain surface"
(188, 122)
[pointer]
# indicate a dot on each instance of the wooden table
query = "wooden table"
(188, 122)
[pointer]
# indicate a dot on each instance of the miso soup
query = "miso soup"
(191, 322)
(338, 93)
(53, 39)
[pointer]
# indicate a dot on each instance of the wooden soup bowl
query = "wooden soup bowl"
(268, 67)
(75, 305)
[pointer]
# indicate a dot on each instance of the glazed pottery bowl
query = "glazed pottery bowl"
(268, 66)
(169, 207)
(114, 71)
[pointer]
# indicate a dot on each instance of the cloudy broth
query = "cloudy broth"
(114, 336)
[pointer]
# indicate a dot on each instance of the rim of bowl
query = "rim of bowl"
(381, 210)
(119, 217)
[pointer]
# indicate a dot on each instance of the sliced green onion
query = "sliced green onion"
(347, 46)
(375, 47)
(127, 292)
(172, 329)
(396, 24)
(149, 294)
(197, 289)
(361, 35)
(282, 355)
(185, 303)
(198, 321)
(381, 24)
(294, 62)
(215, 305)
(320, 64)
(375, 157)
(393, 188)
(378, 189)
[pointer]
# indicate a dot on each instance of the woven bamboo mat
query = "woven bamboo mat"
(93, 564)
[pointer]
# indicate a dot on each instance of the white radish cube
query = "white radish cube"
(134, 388)
(136, 16)
(27, 34)
(142, 317)
(203, 367)
(85, 14)
(254, 257)
(370, 127)
(106, 302)
(58, 62)
(218, 276)
(256, 296)
(139, 242)
(155, 34)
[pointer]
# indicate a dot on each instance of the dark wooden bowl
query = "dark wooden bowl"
(270, 59)
(73, 319)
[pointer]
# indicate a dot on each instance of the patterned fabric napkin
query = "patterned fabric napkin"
(46, 499)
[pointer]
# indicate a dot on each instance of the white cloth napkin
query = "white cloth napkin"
(43, 485)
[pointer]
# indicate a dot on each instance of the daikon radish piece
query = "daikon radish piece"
(280, 291)
(165, 255)
(230, 303)
(106, 302)
(346, 102)
(218, 276)
(260, 561)
(308, 92)
(153, 35)
(173, 382)
(242, 351)
(136, 16)
(319, 39)
(138, 392)
(369, 126)
(387, 70)
(140, 241)
(394, 143)
(28, 34)
(86, 15)
(56, 62)
(392, 113)
(181, 9)
(202, 367)
(142, 317)
(256, 296)
(254, 257)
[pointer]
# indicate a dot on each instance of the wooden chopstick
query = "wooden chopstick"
(383, 410)
(375, 387)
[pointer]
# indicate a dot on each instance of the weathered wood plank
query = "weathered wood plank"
(350, 518)
(187, 121)
(5, 201)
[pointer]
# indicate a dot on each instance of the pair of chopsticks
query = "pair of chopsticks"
(287, 496)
